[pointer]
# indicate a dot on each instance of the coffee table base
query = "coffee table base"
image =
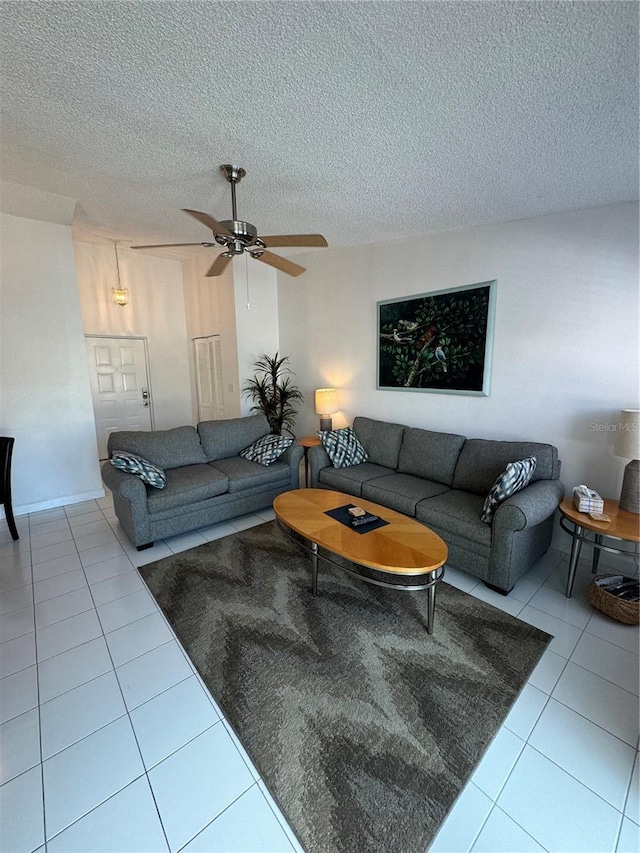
(434, 576)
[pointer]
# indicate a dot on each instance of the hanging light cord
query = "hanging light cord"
(115, 246)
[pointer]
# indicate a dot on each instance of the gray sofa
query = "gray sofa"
(207, 480)
(442, 480)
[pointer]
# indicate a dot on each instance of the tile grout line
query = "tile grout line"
(629, 793)
(37, 673)
(575, 779)
(562, 769)
(288, 830)
(528, 834)
(482, 825)
(35, 636)
(127, 714)
(213, 820)
(133, 730)
(524, 604)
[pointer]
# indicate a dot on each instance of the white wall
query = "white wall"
(210, 310)
(565, 352)
(256, 311)
(156, 311)
(45, 399)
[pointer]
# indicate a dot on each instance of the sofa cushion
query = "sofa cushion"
(267, 449)
(343, 447)
(515, 476)
(222, 439)
(380, 439)
(166, 448)
(350, 480)
(432, 455)
(455, 512)
(139, 467)
(401, 492)
(244, 474)
(482, 461)
(187, 485)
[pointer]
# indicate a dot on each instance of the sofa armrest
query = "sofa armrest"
(127, 486)
(292, 455)
(530, 506)
(318, 459)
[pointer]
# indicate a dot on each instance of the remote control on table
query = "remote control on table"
(367, 518)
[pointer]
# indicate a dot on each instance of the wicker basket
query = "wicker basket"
(617, 608)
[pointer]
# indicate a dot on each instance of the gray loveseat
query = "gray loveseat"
(442, 480)
(207, 480)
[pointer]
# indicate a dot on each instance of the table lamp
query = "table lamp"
(627, 445)
(326, 405)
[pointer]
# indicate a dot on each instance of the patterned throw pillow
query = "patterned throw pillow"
(514, 477)
(266, 449)
(133, 464)
(343, 447)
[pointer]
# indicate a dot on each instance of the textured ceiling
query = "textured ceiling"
(365, 121)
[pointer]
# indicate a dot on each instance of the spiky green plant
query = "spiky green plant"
(273, 393)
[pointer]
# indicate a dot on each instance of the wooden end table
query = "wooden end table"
(623, 527)
(307, 442)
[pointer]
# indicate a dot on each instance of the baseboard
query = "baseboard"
(56, 502)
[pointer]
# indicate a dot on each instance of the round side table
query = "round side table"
(307, 442)
(623, 527)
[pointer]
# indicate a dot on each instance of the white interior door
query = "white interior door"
(209, 381)
(119, 386)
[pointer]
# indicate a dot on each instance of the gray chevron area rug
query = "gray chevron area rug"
(364, 727)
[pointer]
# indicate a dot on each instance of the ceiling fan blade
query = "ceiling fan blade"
(167, 245)
(295, 240)
(218, 266)
(209, 221)
(280, 263)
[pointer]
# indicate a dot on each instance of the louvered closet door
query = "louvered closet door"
(209, 381)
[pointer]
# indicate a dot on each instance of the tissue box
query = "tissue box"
(586, 500)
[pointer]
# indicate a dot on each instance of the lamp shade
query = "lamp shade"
(326, 401)
(627, 443)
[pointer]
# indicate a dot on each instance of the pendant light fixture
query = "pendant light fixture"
(119, 294)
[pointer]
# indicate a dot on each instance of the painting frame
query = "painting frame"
(439, 342)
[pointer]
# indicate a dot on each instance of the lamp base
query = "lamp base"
(326, 424)
(630, 494)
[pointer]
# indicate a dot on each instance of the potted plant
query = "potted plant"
(273, 392)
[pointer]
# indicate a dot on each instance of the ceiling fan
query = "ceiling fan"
(239, 237)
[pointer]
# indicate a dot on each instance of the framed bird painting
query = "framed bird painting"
(439, 341)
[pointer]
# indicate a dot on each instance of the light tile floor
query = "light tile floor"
(110, 742)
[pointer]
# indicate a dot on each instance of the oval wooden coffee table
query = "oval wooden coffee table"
(403, 547)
